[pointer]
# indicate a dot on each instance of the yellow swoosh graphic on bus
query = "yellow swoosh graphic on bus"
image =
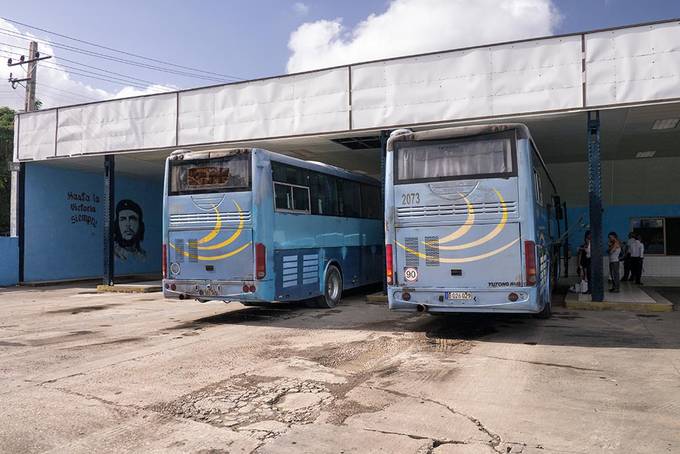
(489, 236)
(233, 237)
(462, 259)
(214, 257)
(215, 231)
(465, 227)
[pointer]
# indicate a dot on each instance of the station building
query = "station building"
(603, 108)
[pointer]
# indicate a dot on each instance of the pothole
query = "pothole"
(253, 403)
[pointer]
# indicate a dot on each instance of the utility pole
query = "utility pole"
(17, 199)
(31, 74)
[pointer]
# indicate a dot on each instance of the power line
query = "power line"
(110, 57)
(84, 65)
(123, 52)
(73, 93)
(106, 75)
(110, 80)
(89, 74)
(12, 45)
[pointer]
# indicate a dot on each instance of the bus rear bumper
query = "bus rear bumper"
(205, 290)
(491, 300)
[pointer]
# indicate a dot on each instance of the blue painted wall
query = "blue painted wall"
(616, 218)
(148, 194)
(63, 230)
(9, 261)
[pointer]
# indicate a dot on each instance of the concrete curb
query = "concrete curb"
(659, 305)
(122, 288)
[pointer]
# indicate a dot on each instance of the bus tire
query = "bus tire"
(546, 313)
(332, 285)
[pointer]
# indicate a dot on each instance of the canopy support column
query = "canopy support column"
(596, 284)
(109, 217)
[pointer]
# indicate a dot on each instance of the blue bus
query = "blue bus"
(469, 225)
(255, 226)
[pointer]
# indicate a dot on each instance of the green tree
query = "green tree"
(6, 145)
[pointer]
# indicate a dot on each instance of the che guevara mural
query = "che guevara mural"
(129, 231)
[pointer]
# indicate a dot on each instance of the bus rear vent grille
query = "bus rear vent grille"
(432, 250)
(454, 209)
(179, 250)
(193, 250)
(411, 258)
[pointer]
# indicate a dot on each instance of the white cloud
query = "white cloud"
(55, 87)
(417, 26)
(300, 9)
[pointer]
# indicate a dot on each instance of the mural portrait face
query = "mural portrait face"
(129, 230)
(128, 223)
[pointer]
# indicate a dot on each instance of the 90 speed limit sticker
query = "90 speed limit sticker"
(411, 274)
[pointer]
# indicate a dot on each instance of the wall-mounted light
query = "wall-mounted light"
(645, 154)
(668, 123)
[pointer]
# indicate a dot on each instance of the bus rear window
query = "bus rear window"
(454, 160)
(224, 174)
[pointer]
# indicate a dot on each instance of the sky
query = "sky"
(232, 40)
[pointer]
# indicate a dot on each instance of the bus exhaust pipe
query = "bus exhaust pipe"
(421, 308)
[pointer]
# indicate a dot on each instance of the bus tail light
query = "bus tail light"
(260, 261)
(530, 262)
(389, 268)
(164, 266)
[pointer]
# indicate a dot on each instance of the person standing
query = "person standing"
(614, 250)
(627, 262)
(637, 253)
(584, 258)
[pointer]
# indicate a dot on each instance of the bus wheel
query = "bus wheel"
(546, 312)
(332, 288)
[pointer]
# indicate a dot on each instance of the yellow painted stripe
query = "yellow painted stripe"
(232, 238)
(489, 236)
(214, 257)
(464, 228)
(461, 259)
(215, 231)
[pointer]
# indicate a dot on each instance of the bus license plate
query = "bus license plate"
(458, 295)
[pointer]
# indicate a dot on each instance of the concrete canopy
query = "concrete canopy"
(547, 81)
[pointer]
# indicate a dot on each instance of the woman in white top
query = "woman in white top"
(614, 250)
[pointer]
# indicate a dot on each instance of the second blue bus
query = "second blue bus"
(469, 221)
(255, 226)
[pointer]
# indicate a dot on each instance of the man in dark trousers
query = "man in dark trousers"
(637, 253)
(626, 258)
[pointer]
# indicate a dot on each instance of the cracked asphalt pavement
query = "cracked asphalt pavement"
(87, 372)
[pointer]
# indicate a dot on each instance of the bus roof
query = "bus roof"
(310, 165)
(467, 131)
(459, 131)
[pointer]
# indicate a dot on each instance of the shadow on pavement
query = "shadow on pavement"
(565, 328)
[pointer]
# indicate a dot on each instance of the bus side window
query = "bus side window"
(283, 196)
(349, 198)
(538, 188)
(370, 202)
(324, 194)
(291, 198)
